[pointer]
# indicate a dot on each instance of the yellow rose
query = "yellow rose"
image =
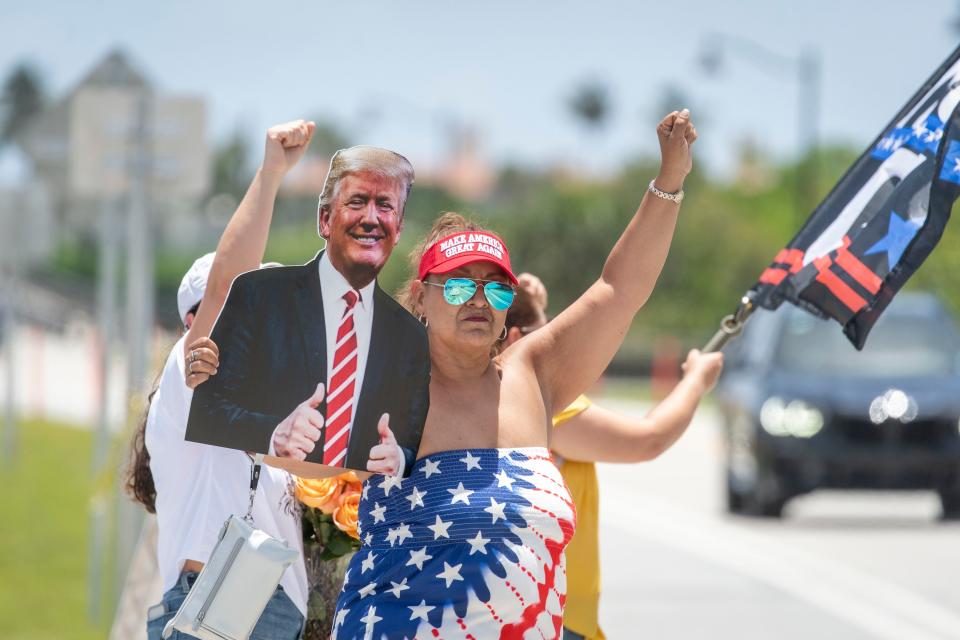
(319, 493)
(345, 515)
(350, 477)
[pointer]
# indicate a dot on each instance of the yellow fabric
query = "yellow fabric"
(583, 552)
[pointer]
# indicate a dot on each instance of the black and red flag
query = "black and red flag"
(881, 220)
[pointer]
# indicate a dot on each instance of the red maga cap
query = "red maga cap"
(458, 249)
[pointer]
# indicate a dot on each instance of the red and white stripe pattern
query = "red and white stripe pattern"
(469, 547)
(340, 386)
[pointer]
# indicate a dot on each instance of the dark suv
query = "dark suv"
(804, 410)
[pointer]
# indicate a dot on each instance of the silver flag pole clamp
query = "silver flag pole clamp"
(730, 326)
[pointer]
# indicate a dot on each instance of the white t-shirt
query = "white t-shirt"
(199, 486)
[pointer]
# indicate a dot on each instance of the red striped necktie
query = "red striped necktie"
(341, 385)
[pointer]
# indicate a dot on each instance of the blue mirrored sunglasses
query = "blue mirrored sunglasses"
(456, 291)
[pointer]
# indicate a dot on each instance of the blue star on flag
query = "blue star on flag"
(891, 142)
(951, 163)
(926, 135)
(899, 234)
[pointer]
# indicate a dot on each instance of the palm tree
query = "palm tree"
(590, 104)
(231, 166)
(21, 98)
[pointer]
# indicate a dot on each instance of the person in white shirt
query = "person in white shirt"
(193, 488)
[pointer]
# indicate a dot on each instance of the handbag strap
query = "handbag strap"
(254, 480)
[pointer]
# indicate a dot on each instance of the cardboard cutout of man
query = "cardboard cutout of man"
(317, 362)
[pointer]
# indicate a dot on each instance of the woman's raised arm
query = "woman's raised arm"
(244, 240)
(572, 351)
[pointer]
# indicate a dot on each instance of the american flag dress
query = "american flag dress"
(470, 546)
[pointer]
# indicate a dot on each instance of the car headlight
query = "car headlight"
(795, 418)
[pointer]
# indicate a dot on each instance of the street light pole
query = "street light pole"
(808, 74)
(10, 441)
(140, 303)
(806, 70)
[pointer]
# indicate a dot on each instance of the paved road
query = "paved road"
(846, 565)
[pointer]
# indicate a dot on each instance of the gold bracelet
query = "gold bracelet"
(672, 197)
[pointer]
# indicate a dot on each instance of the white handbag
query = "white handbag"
(238, 580)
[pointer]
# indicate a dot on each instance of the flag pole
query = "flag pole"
(731, 325)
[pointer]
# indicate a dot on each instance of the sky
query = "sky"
(400, 75)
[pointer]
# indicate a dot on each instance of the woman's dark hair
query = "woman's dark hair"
(523, 313)
(139, 479)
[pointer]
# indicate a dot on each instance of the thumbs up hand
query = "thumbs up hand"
(386, 457)
(297, 435)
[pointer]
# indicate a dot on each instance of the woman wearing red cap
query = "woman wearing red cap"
(471, 544)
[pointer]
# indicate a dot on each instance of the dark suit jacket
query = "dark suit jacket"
(273, 354)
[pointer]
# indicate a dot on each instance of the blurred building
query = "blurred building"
(306, 178)
(465, 172)
(85, 151)
(27, 226)
(755, 172)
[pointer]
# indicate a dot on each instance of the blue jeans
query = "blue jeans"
(571, 635)
(280, 620)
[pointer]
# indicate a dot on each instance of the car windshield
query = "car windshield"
(899, 345)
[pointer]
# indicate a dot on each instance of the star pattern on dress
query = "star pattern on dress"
(418, 558)
(365, 492)
(416, 498)
(471, 461)
(503, 480)
(479, 543)
(370, 620)
(391, 482)
(450, 574)
(398, 534)
(368, 590)
(367, 564)
(430, 467)
(432, 544)
(341, 615)
(439, 528)
(496, 510)
(378, 513)
(420, 611)
(368, 539)
(460, 494)
(396, 588)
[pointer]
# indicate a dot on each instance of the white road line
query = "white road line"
(877, 606)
